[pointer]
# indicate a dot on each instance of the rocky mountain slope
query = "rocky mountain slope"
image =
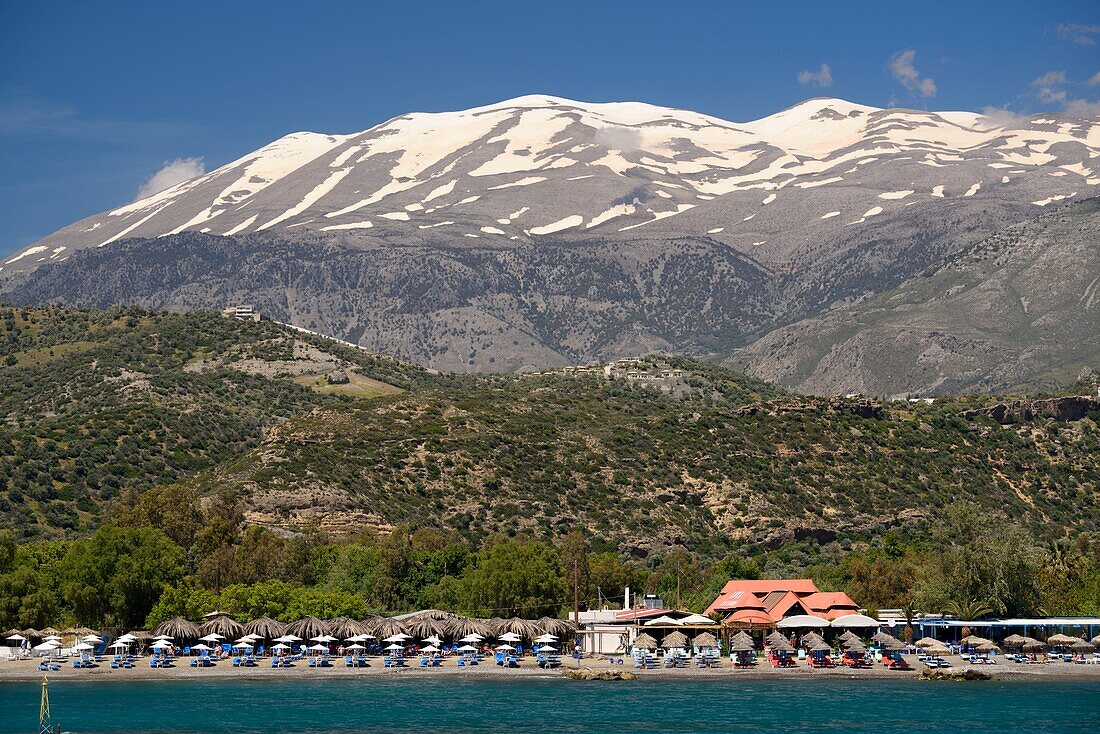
(1018, 311)
(100, 404)
(542, 231)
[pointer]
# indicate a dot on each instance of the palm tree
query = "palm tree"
(908, 612)
(967, 611)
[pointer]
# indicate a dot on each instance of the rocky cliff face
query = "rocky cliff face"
(1017, 311)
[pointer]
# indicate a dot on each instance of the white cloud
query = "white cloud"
(821, 78)
(1095, 80)
(1048, 85)
(1078, 33)
(901, 66)
(1083, 108)
(170, 174)
(1000, 117)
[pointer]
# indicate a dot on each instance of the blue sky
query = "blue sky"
(95, 98)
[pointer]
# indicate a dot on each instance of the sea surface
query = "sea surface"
(440, 706)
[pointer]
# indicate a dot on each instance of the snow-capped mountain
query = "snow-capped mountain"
(536, 168)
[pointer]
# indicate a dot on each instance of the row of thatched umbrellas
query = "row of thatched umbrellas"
(673, 640)
(424, 624)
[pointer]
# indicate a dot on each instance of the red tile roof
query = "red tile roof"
(740, 593)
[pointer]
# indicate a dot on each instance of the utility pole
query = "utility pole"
(576, 611)
(678, 606)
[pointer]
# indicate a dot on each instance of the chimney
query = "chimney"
(626, 599)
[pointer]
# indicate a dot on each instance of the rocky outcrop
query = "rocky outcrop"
(1072, 408)
(589, 674)
(955, 674)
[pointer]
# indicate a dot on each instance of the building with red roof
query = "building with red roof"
(763, 602)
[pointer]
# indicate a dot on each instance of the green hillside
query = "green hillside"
(96, 403)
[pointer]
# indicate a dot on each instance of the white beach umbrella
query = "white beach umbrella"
(202, 648)
(356, 646)
(472, 637)
(504, 648)
(288, 638)
(545, 638)
(855, 620)
(467, 648)
(433, 640)
(161, 644)
(395, 638)
(47, 646)
(802, 621)
(395, 646)
(430, 648)
(91, 638)
(212, 637)
(319, 648)
(510, 637)
(323, 638)
(280, 646)
(547, 648)
(162, 637)
(52, 638)
(17, 638)
(119, 644)
(82, 646)
(355, 638)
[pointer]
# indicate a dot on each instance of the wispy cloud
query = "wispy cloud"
(1000, 117)
(170, 174)
(1082, 108)
(821, 78)
(1049, 87)
(1078, 33)
(23, 114)
(1095, 80)
(906, 74)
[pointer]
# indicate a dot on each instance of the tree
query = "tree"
(512, 578)
(981, 559)
(574, 550)
(117, 575)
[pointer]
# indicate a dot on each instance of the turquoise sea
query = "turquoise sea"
(440, 706)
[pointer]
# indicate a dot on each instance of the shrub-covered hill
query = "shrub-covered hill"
(93, 403)
(642, 470)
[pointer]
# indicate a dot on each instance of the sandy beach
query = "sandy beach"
(22, 670)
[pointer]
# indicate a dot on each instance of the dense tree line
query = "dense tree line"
(164, 555)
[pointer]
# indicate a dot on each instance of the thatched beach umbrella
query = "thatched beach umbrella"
(645, 642)
(308, 628)
(704, 639)
(178, 629)
(811, 638)
(1095, 640)
(742, 646)
(421, 627)
(780, 645)
(1033, 645)
(525, 628)
(675, 639)
(343, 628)
(853, 646)
(388, 627)
(849, 636)
(928, 642)
(1014, 641)
(1062, 640)
(78, 631)
(938, 649)
(560, 628)
(227, 627)
(460, 627)
(1082, 647)
(265, 627)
